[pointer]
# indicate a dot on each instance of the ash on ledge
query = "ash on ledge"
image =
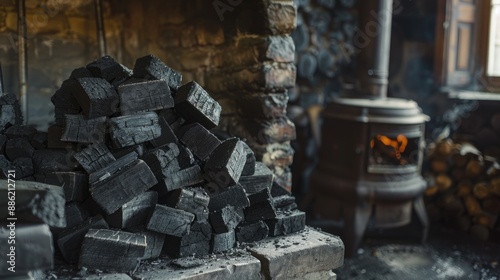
(131, 170)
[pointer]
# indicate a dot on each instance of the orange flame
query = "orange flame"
(399, 144)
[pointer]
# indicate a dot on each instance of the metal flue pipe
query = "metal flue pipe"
(101, 34)
(22, 58)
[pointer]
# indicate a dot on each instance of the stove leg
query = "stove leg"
(355, 221)
(418, 205)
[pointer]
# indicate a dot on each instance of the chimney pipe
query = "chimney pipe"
(373, 41)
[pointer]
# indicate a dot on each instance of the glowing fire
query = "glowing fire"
(398, 145)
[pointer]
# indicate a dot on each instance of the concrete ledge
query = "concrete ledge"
(309, 253)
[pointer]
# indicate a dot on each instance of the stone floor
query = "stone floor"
(447, 254)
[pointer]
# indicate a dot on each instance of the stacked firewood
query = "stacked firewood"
(464, 188)
(142, 171)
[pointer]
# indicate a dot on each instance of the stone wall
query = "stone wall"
(239, 50)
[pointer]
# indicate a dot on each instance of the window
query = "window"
(494, 40)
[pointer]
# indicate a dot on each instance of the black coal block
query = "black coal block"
(107, 68)
(3, 140)
(186, 157)
(196, 242)
(194, 104)
(74, 184)
(222, 242)
(76, 214)
(171, 221)
(35, 202)
(261, 207)
(252, 232)
(80, 72)
(260, 180)
(5, 166)
(249, 168)
(79, 129)
(277, 190)
(283, 201)
(39, 140)
(226, 163)
(154, 241)
(135, 212)
(24, 168)
(183, 178)
(112, 168)
(167, 134)
(20, 131)
(233, 196)
(198, 140)
(94, 157)
(139, 149)
(53, 160)
(70, 240)
(10, 112)
(150, 66)
(286, 223)
(134, 129)
(225, 220)
(107, 249)
(192, 200)
(163, 160)
(18, 148)
(64, 101)
(54, 134)
(121, 187)
(144, 96)
(96, 96)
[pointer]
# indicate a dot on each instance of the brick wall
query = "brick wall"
(239, 50)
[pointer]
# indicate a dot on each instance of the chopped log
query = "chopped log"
(480, 232)
(225, 220)
(443, 182)
(491, 204)
(112, 168)
(81, 130)
(134, 129)
(192, 200)
(112, 250)
(226, 163)
(261, 207)
(76, 214)
(64, 101)
(222, 242)
(167, 134)
(194, 104)
(23, 167)
(198, 140)
(495, 186)
(431, 190)
(484, 219)
(96, 96)
(171, 221)
(33, 250)
(252, 232)
(196, 242)
(444, 148)
(20, 131)
(144, 96)
(163, 162)
(249, 168)
(113, 192)
(70, 240)
(152, 67)
(286, 223)
(51, 160)
(234, 195)
(481, 190)
(473, 169)
(464, 189)
(452, 205)
(472, 205)
(34, 202)
(261, 179)
(18, 148)
(107, 68)
(94, 157)
(135, 212)
(38, 141)
(439, 166)
(183, 178)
